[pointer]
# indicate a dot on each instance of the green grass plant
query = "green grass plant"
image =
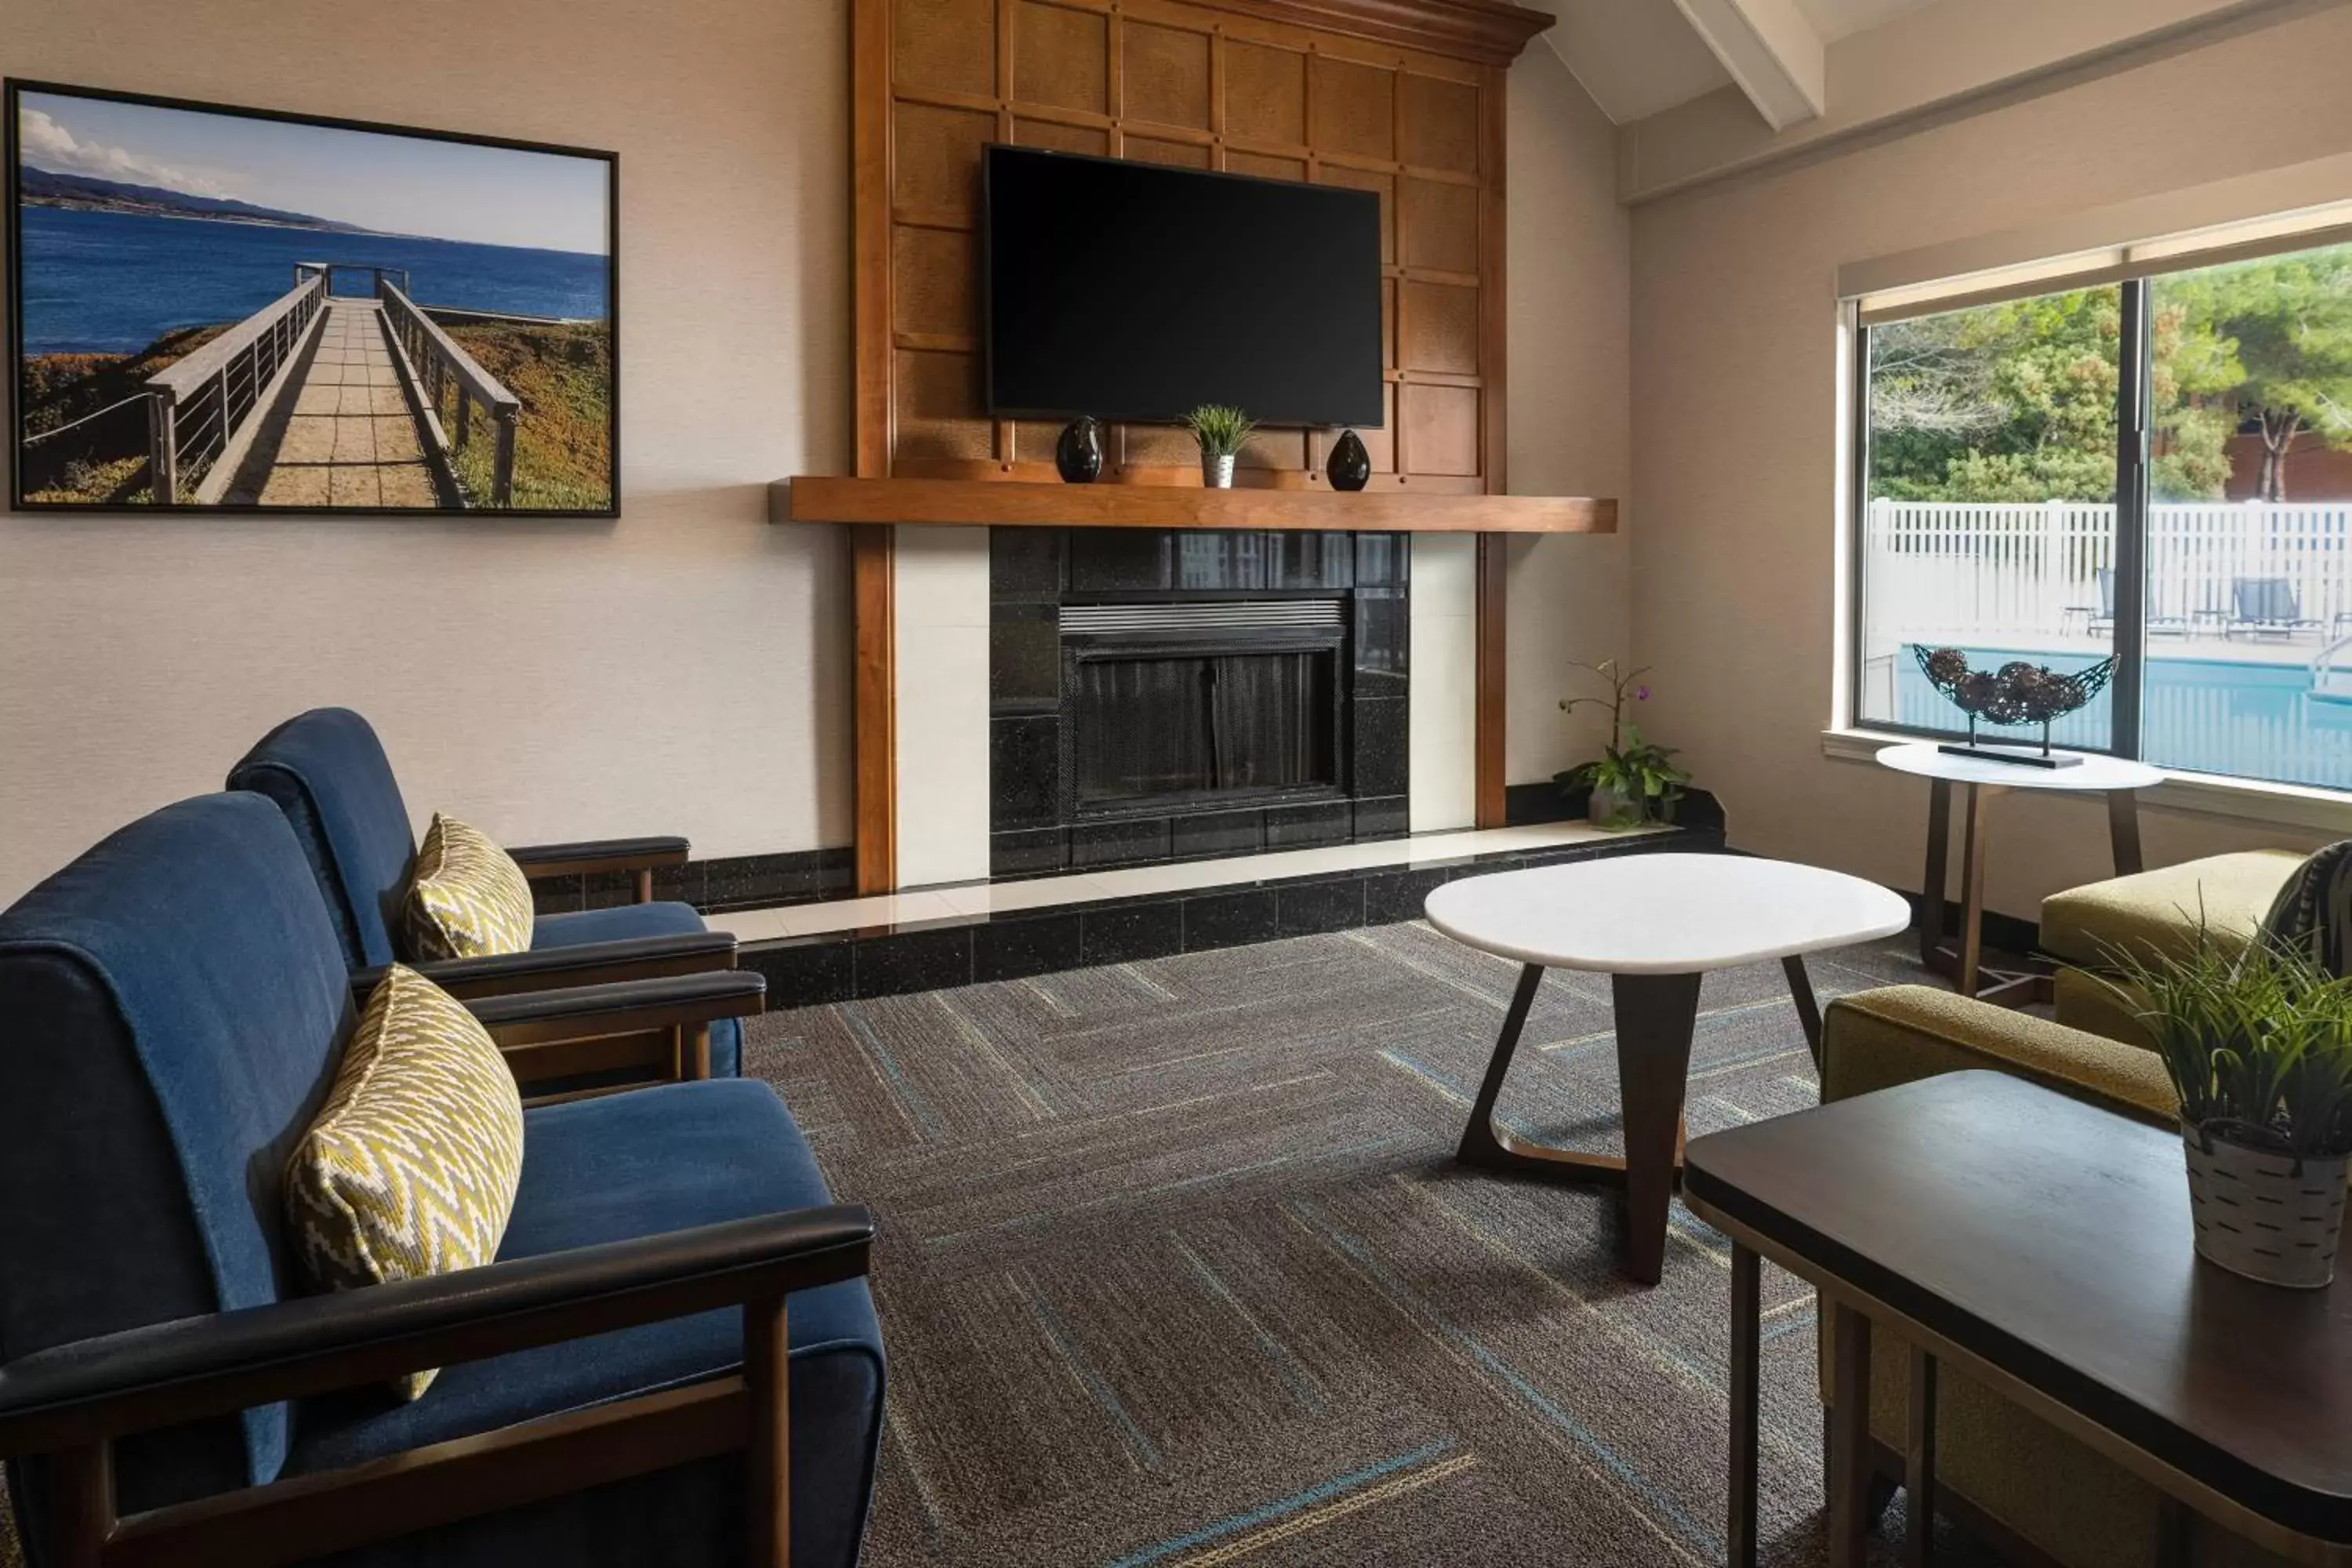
(1219, 430)
(2257, 1041)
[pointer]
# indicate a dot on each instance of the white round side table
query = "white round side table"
(1963, 960)
(1654, 923)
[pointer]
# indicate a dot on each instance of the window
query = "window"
(2152, 470)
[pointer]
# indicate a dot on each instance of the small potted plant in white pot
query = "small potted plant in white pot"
(1219, 431)
(2258, 1044)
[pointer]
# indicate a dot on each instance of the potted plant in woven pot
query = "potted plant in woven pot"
(1219, 431)
(2258, 1043)
(1633, 781)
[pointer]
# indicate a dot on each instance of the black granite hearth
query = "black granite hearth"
(891, 960)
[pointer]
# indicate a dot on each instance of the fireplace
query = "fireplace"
(1158, 695)
(1187, 706)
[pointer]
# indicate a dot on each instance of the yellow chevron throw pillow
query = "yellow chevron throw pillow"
(466, 896)
(410, 1169)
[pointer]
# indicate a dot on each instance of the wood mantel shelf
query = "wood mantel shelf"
(1000, 504)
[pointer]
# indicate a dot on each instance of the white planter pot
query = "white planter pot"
(1217, 473)
(2260, 1214)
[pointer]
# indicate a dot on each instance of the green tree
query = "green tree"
(2270, 342)
(2016, 402)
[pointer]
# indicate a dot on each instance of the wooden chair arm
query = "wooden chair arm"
(583, 964)
(601, 1039)
(597, 856)
(139, 1379)
(636, 1006)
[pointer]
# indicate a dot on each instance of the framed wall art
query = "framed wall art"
(233, 310)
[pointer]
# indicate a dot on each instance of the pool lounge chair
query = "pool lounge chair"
(2267, 607)
(2103, 625)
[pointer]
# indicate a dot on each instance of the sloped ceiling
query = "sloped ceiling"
(1639, 56)
(1835, 19)
(1635, 57)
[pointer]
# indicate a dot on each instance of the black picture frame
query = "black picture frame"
(451, 504)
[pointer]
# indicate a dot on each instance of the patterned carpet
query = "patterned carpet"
(1176, 1268)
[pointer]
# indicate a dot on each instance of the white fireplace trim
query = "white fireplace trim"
(941, 618)
(1443, 745)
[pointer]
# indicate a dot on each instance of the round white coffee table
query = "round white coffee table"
(1963, 961)
(1654, 923)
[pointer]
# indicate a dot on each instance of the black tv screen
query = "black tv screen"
(1133, 292)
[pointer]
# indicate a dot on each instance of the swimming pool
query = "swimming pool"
(2205, 715)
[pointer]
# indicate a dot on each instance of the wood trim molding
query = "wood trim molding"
(1484, 31)
(872, 550)
(870, 172)
(1490, 808)
(873, 565)
(1003, 504)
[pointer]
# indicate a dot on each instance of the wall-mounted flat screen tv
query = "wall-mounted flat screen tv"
(1135, 291)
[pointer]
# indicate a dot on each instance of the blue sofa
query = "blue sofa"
(328, 773)
(172, 1009)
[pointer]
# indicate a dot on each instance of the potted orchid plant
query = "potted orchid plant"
(1633, 781)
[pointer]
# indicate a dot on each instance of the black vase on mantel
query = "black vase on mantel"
(1351, 466)
(1079, 454)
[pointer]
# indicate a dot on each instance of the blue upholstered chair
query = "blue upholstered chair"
(614, 1387)
(328, 772)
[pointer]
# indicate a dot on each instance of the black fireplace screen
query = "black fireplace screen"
(1159, 725)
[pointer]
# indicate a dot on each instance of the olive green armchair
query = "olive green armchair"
(2153, 912)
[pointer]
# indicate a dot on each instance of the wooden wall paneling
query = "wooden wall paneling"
(1400, 96)
(1166, 75)
(873, 568)
(1494, 294)
(873, 197)
(1265, 96)
(873, 780)
(1008, 435)
(1061, 56)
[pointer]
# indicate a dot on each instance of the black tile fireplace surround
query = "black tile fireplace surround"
(1170, 694)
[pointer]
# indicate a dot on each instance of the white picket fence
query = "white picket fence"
(1942, 568)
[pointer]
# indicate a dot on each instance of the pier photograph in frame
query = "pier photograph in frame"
(235, 309)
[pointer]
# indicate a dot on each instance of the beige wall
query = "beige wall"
(684, 668)
(1571, 420)
(1736, 426)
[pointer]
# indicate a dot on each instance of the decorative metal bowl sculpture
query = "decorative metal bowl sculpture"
(2016, 693)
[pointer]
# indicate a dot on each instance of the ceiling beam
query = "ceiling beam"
(1770, 50)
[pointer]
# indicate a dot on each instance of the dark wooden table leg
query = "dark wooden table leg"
(1931, 883)
(1655, 1016)
(1482, 1143)
(1747, 1339)
(1972, 854)
(2122, 831)
(2176, 1533)
(1809, 1010)
(1849, 1437)
(1919, 1462)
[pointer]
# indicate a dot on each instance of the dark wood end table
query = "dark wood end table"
(2042, 1246)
